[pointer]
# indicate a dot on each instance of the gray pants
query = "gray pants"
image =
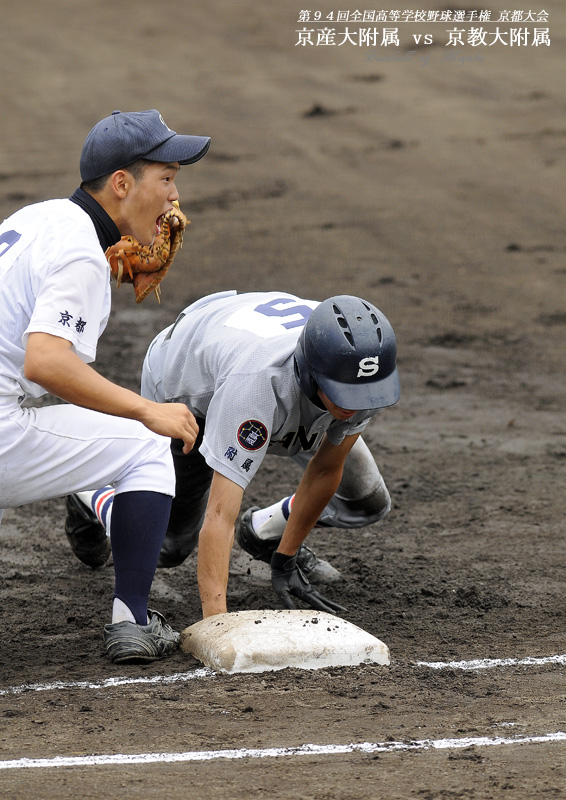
(362, 496)
(361, 499)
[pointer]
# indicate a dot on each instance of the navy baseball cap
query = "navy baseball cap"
(124, 137)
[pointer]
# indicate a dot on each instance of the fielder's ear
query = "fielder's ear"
(120, 182)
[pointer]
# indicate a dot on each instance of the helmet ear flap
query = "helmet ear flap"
(306, 382)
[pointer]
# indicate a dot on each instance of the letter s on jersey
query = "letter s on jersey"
(368, 367)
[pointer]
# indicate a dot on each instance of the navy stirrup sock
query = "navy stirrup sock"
(139, 525)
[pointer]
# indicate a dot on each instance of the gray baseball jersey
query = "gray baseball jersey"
(230, 359)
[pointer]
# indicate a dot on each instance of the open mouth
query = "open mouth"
(158, 222)
(173, 220)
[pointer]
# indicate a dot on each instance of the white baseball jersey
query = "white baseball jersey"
(230, 359)
(54, 278)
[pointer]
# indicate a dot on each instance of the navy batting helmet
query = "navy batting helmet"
(348, 349)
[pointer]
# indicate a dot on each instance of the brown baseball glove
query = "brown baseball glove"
(146, 266)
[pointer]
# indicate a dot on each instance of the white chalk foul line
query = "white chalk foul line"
(108, 683)
(277, 752)
(490, 663)
(182, 677)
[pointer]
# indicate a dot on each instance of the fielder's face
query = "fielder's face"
(148, 200)
(336, 411)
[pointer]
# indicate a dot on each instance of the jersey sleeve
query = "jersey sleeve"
(239, 422)
(73, 300)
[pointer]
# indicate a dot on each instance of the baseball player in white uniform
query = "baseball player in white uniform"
(54, 305)
(270, 373)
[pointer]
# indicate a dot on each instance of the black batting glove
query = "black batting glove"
(288, 580)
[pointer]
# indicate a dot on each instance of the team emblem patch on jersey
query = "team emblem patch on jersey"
(252, 434)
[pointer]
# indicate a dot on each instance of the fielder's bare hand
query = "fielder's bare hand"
(174, 420)
(287, 579)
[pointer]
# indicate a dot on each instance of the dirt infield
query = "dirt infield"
(432, 186)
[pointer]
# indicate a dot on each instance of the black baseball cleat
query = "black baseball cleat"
(127, 641)
(86, 535)
(315, 569)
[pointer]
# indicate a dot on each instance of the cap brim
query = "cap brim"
(362, 396)
(184, 149)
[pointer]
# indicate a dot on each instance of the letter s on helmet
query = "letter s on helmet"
(348, 349)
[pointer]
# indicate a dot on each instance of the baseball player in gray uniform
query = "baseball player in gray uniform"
(54, 305)
(269, 373)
